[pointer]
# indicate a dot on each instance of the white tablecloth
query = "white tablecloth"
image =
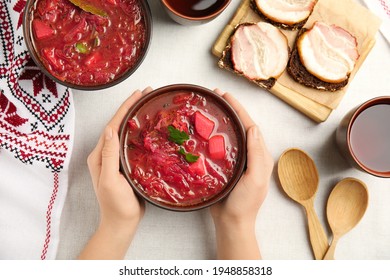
(180, 54)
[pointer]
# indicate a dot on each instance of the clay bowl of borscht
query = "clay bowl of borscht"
(183, 147)
(89, 45)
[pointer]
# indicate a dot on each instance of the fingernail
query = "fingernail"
(108, 133)
(136, 91)
(256, 132)
(219, 92)
(147, 90)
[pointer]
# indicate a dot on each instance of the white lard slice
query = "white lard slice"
(328, 52)
(259, 51)
(286, 11)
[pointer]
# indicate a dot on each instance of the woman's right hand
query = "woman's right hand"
(235, 216)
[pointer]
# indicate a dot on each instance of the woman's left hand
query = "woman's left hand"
(120, 209)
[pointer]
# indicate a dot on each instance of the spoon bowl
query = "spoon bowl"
(347, 204)
(298, 175)
(299, 178)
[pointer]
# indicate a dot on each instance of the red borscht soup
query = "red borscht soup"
(88, 49)
(181, 148)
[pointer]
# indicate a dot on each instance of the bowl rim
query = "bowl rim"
(27, 34)
(241, 163)
(369, 103)
(210, 16)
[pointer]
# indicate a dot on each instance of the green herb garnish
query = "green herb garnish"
(96, 42)
(189, 157)
(82, 47)
(177, 136)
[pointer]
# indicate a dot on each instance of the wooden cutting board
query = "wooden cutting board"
(316, 104)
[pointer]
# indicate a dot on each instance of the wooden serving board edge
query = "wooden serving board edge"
(314, 110)
(229, 28)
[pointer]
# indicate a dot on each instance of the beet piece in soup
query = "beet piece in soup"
(86, 49)
(168, 158)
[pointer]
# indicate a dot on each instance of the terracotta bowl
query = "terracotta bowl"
(29, 39)
(150, 100)
(186, 19)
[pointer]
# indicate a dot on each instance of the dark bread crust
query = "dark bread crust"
(225, 62)
(294, 26)
(299, 73)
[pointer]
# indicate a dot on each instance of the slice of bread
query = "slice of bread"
(300, 74)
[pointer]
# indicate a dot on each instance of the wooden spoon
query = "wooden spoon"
(347, 204)
(299, 179)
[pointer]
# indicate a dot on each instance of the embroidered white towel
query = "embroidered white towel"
(36, 138)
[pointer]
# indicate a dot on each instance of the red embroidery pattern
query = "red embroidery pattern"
(22, 79)
(38, 146)
(8, 112)
(19, 8)
(48, 113)
(385, 7)
(48, 216)
(39, 80)
(6, 37)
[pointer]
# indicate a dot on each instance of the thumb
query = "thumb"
(110, 154)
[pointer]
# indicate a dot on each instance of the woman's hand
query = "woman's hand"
(235, 216)
(120, 209)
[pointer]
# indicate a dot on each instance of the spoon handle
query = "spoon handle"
(318, 239)
(330, 253)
